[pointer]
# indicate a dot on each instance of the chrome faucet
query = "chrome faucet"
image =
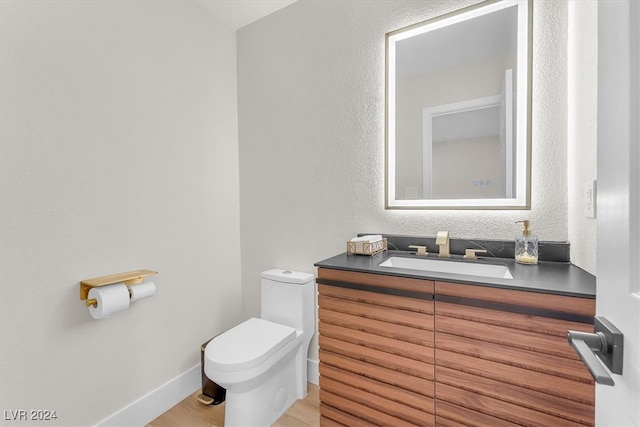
(442, 240)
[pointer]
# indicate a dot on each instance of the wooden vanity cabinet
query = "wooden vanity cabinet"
(502, 358)
(376, 349)
(398, 351)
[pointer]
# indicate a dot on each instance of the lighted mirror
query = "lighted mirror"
(459, 110)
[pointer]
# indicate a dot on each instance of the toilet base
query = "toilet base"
(260, 405)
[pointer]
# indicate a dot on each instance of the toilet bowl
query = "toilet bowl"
(262, 362)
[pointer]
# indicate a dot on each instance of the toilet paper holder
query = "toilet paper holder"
(128, 278)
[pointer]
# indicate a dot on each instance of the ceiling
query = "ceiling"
(238, 13)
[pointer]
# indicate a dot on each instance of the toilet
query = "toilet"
(262, 363)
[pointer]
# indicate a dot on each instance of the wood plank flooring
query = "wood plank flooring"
(190, 412)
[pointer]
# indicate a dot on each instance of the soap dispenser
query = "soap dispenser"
(526, 246)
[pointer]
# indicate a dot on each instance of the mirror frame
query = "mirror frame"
(522, 199)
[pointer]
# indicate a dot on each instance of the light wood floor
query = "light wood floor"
(190, 412)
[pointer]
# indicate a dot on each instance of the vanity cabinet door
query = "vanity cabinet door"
(502, 358)
(376, 350)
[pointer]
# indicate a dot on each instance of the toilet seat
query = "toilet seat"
(247, 345)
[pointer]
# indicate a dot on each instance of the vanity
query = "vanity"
(414, 339)
(403, 346)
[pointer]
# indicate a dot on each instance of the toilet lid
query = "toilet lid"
(248, 344)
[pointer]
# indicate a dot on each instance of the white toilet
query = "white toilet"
(262, 363)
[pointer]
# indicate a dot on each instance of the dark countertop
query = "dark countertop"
(561, 278)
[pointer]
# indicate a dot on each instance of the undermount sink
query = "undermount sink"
(453, 267)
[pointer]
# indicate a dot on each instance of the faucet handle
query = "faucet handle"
(420, 250)
(471, 253)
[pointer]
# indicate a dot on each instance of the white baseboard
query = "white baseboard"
(156, 402)
(313, 371)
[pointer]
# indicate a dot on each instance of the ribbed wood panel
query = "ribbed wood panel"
(379, 280)
(527, 359)
(580, 392)
(561, 303)
(577, 412)
(331, 417)
(328, 422)
(388, 345)
(376, 327)
(522, 322)
(395, 360)
(386, 375)
(540, 341)
(378, 358)
(513, 367)
(376, 352)
(371, 415)
(386, 300)
(395, 407)
(386, 314)
(483, 404)
(449, 415)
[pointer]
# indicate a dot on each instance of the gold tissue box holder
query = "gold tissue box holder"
(128, 278)
(368, 248)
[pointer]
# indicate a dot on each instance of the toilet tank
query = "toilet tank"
(289, 298)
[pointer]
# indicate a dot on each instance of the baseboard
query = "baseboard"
(157, 402)
(313, 371)
(165, 397)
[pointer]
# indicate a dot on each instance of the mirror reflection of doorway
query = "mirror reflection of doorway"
(468, 148)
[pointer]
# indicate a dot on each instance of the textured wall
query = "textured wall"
(311, 123)
(119, 152)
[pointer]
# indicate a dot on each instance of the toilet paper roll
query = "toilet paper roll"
(142, 290)
(110, 298)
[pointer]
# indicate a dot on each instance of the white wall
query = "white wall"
(311, 114)
(119, 152)
(582, 128)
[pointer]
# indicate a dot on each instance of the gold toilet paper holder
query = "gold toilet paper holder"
(128, 278)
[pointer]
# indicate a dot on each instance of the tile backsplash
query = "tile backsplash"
(548, 251)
